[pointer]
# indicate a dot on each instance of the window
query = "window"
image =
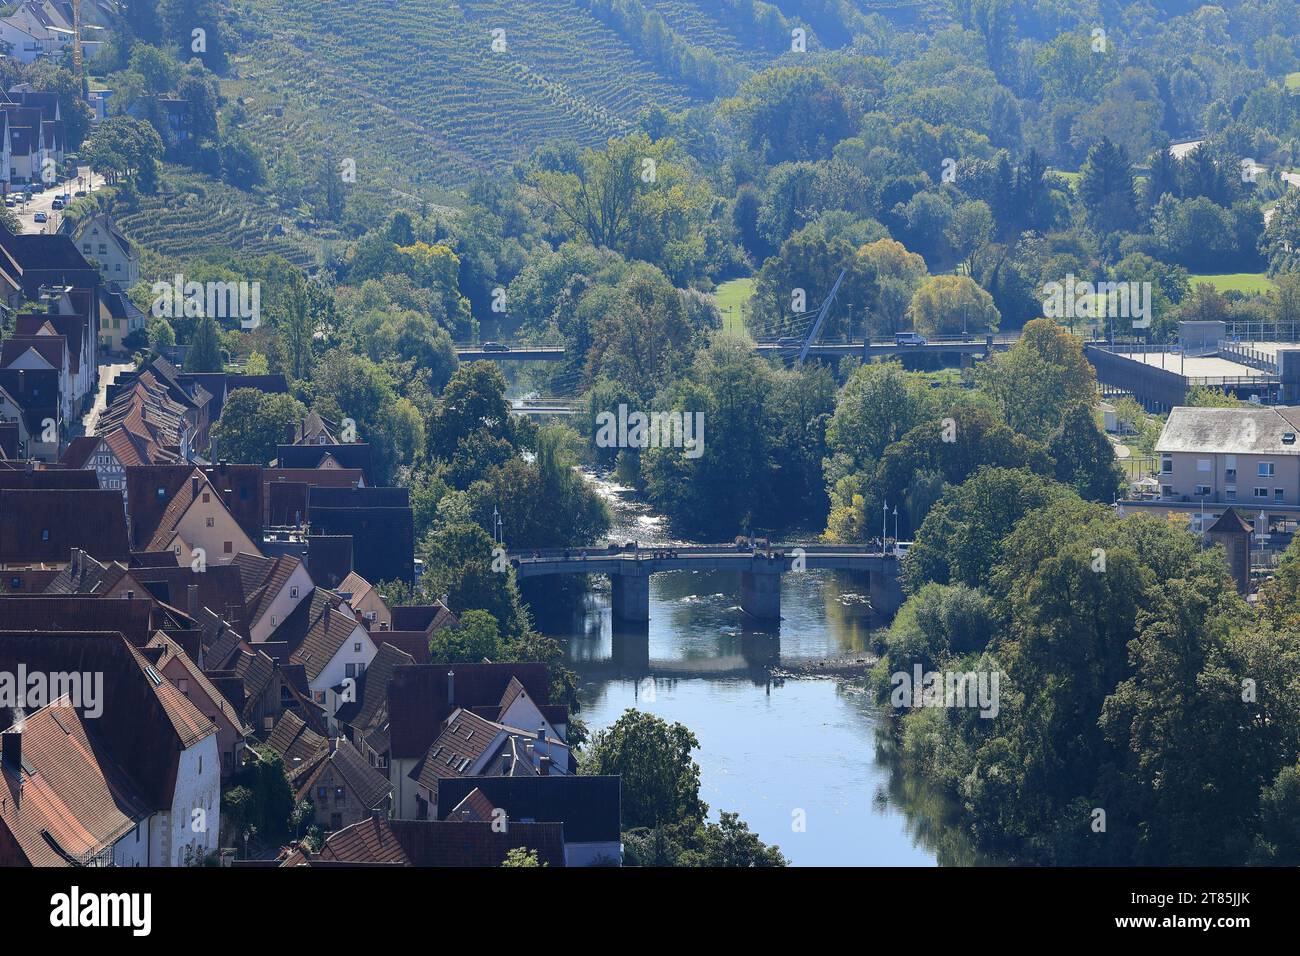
(1266, 469)
(322, 792)
(227, 547)
(1261, 492)
(339, 795)
(1230, 493)
(162, 492)
(350, 670)
(336, 821)
(207, 497)
(1202, 464)
(211, 521)
(293, 592)
(1167, 491)
(1279, 495)
(1202, 490)
(1166, 464)
(45, 534)
(183, 686)
(16, 583)
(356, 648)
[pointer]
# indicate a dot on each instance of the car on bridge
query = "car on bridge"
(789, 342)
(494, 347)
(909, 338)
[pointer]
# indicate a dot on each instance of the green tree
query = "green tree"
(949, 305)
(204, 353)
(474, 639)
(1039, 377)
(521, 857)
(730, 843)
(1106, 188)
(661, 780)
(1084, 458)
(252, 424)
(473, 400)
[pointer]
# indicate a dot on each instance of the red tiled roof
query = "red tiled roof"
(331, 630)
(46, 524)
(430, 843)
(418, 700)
(69, 802)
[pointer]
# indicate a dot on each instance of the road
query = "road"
(42, 202)
(107, 373)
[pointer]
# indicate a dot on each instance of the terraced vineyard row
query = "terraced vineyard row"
(440, 103)
(719, 27)
(175, 228)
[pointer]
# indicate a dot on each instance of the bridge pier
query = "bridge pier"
(630, 595)
(760, 592)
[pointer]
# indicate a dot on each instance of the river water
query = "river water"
(803, 760)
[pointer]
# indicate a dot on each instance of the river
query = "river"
(803, 760)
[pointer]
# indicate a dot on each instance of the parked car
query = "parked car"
(10, 202)
(41, 217)
(495, 347)
(80, 194)
(909, 338)
(57, 204)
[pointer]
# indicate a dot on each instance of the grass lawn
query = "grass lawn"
(1293, 81)
(1238, 281)
(733, 302)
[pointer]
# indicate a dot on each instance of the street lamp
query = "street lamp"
(884, 525)
(496, 525)
(895, 527)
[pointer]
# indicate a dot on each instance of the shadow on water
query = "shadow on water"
(933, 818)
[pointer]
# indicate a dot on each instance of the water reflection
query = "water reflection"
(776, 751)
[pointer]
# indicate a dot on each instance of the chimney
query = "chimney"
(505, 765)
(194, 486)
(544, 767)
(13, 746)
(451, 687)
(30, 466)
(528, 751)
(541, 731)
(192, 602)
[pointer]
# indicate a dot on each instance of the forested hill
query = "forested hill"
(429, 85)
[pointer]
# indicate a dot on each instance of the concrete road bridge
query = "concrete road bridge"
(629, 570)
(514, 353)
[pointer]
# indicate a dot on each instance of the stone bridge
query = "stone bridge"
(629, 571)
